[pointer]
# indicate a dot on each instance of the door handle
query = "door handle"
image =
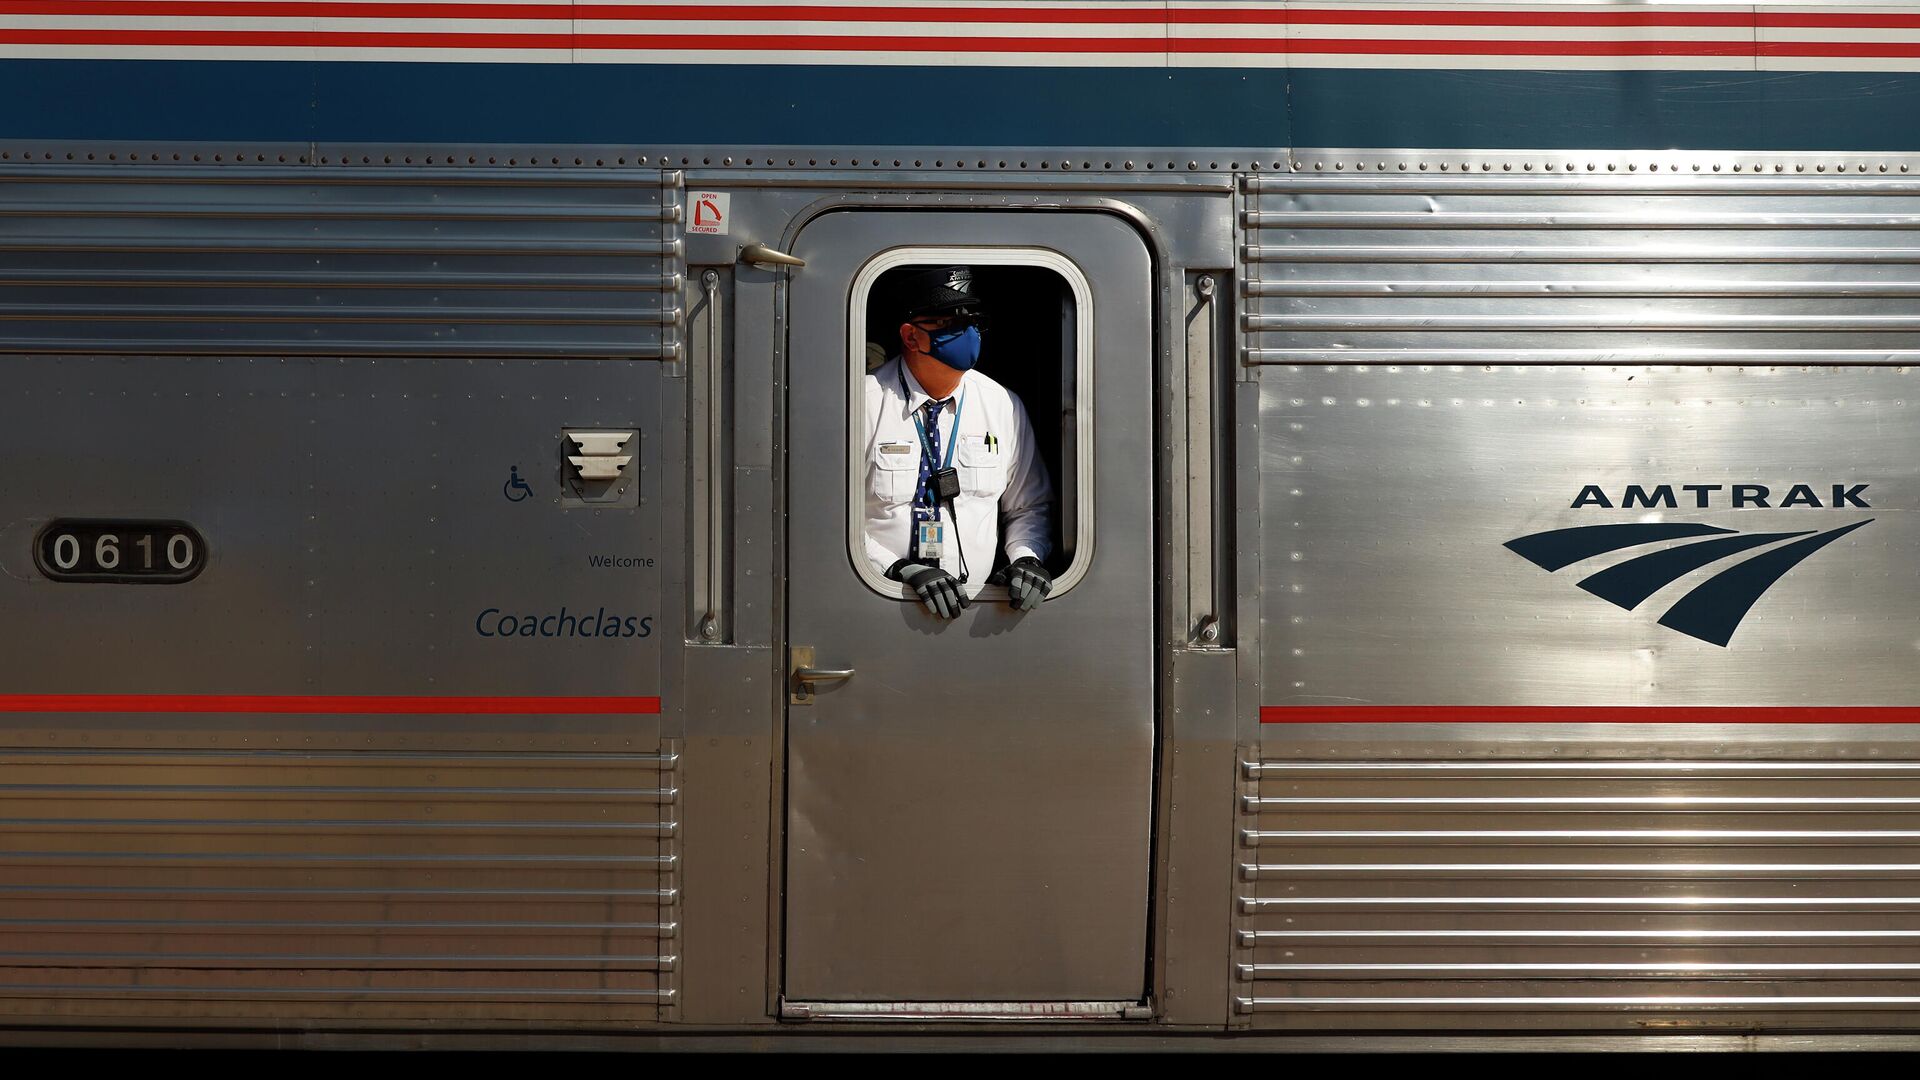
(803, 675)
(762, 255)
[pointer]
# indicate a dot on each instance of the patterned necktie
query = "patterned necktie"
(924, 508)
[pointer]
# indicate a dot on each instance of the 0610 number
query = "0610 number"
(157, 552)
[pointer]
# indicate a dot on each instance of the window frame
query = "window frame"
(1083, 411)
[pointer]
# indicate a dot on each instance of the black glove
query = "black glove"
(1026, 580)
(938, 589)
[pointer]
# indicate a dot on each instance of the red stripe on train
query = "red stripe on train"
(1011, 15)
(235, 38)
(1450, 47)
(1585, 714)
(1590, 19)
(214, 9)
(333, 704)
(889, 43)
(934, 13)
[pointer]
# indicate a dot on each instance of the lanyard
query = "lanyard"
(953, 440)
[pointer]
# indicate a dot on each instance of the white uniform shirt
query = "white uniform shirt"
(1004, 488)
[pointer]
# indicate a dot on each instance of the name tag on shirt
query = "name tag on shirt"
(896, 448)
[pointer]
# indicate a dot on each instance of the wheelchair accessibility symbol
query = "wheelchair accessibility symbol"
(516, 489)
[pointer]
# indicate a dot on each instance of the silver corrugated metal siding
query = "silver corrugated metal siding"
(338, 883)
(529, 264)
(1581, 269)
(1458, 892)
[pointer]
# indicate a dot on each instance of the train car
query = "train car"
(1484, 598)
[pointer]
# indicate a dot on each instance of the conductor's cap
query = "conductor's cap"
(923, 292)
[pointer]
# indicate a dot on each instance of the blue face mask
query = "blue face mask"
(958, 349)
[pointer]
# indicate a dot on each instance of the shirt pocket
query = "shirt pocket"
(983, 468)
(896, 472)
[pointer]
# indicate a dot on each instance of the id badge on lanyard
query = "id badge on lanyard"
(930, 532)
(932, 537)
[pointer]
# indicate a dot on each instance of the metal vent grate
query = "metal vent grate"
(1542, 894)
(280, 261)
(1451, 270)
(544, 884)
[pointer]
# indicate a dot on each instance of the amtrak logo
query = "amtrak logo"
(1713, 610)
(960, 282)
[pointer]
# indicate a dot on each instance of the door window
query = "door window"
(1037, 342)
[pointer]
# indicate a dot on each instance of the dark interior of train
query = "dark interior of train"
(1029, 349)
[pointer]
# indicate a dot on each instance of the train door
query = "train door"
(969, 802)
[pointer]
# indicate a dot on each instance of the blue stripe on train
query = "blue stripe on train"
(876, 106)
